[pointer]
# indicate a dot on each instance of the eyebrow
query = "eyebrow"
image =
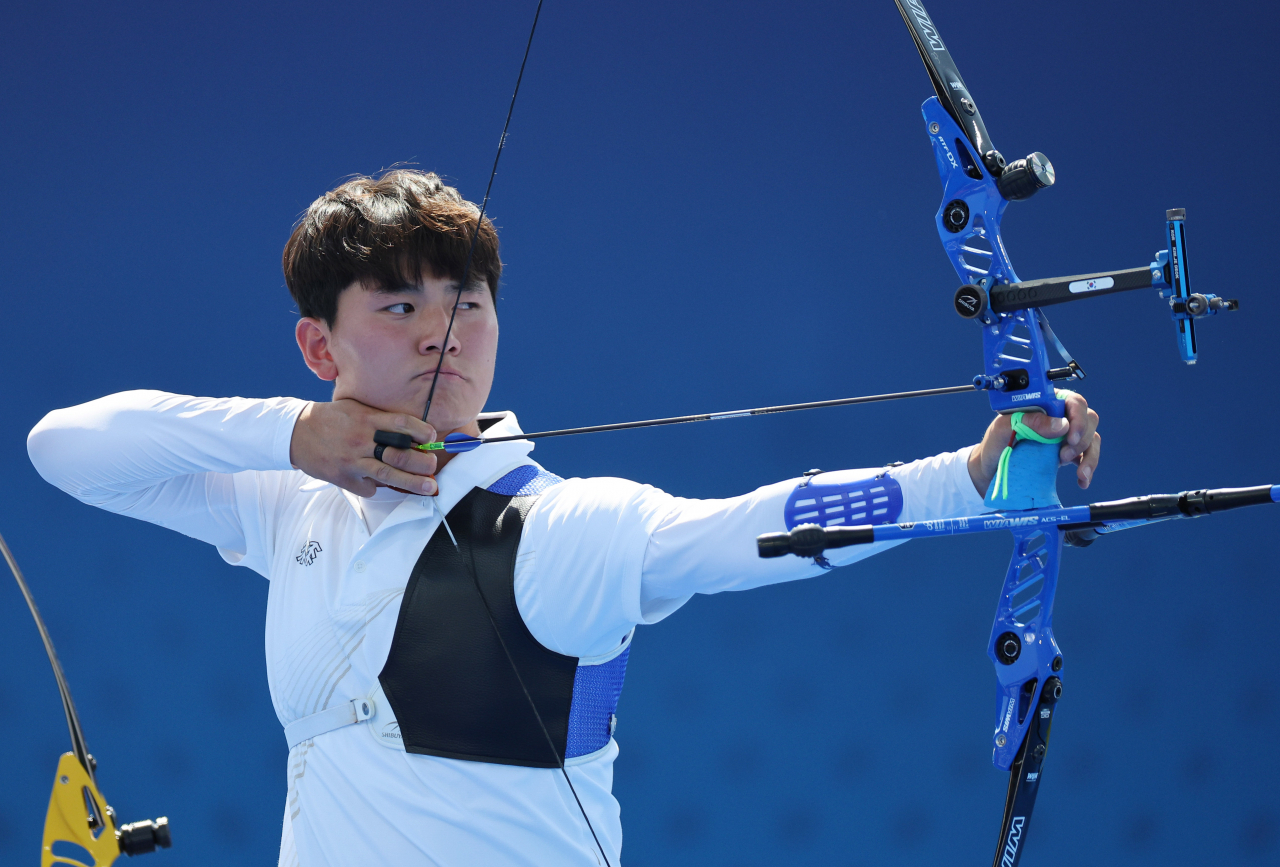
(403, 289)
(408, 288)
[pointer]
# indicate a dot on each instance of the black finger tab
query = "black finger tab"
(394, 440)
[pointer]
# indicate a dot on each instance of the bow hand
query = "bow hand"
(1081, 443)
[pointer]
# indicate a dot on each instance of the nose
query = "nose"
(437, 330)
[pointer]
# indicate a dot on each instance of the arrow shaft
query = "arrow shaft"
(467, 445)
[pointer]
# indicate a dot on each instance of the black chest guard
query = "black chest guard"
(448, 678)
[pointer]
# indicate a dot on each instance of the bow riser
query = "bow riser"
(976, 188)
(1022, 645)
(968, 223)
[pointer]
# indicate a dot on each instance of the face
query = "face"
(384, 347)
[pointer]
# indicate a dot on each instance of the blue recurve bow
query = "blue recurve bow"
(978, 184)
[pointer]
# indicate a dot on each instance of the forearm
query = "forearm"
(708, 546)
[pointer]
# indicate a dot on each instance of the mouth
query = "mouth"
(444, 372)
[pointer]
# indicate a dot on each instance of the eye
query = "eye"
(401, 308)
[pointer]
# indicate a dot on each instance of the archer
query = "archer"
(447, 634)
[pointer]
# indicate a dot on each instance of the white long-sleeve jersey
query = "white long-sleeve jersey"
(597, 557)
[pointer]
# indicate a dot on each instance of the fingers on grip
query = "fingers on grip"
(1089, 461)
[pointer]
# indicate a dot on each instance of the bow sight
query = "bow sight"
(968, 221)
(1169, 274)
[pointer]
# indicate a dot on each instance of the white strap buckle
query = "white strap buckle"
(336, 717)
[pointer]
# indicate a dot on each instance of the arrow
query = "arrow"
(460, 442)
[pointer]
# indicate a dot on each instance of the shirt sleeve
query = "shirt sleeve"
(599, 556)
(170, 459)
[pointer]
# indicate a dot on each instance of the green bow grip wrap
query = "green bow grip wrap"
(1027, 476)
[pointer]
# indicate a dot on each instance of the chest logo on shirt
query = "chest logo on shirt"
(308, 554)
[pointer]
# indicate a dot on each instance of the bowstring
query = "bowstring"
(484, 204)
(466, 272)
(564, 772)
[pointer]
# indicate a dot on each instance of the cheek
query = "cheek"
(364, 352)
(487, 340)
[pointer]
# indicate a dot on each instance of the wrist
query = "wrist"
(298, 431)
(978, 473)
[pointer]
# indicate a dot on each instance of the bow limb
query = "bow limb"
(80, 828)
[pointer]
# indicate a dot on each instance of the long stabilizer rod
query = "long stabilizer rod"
(810, 540)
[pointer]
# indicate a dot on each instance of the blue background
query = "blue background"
(703, 206)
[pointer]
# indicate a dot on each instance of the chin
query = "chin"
(446, 419)
(451, 411)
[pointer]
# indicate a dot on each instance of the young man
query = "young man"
(421, 604)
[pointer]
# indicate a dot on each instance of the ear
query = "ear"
(313, 339)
